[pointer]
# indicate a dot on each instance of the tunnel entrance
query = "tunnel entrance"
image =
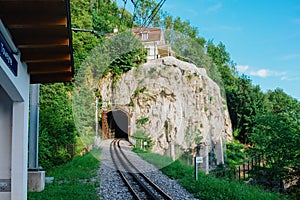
(115, 124)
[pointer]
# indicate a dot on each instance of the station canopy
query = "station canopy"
(41, 30)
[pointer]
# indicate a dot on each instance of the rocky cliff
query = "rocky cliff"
(175, 102)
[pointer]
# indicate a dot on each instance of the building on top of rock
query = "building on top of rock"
(154, 41)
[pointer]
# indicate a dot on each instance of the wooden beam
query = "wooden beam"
(16, 22)
(51, 78)
(46, 35)
(32, 59)
(43, 67)
(49, 70)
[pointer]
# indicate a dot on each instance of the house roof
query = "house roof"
(41, 30)
(154, 34)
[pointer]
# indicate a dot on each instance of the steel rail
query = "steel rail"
(132, 191)
(148, 192)
(139, 173)
(144, 187)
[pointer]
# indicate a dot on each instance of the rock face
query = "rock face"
(175, 102)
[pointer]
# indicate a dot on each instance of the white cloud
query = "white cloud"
(242, 68)
(214, 8)
(291, 56)
(286, 78)
(263, 73)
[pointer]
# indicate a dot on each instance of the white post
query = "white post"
(97, 138)
(172, 149)
(222, 152)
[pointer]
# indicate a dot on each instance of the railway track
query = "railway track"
(140, 186)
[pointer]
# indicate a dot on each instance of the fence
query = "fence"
(244, 171)
(69, 149)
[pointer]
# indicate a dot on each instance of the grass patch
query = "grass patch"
(156, 159)
(72, 180)
(66, 191)
(207, 186)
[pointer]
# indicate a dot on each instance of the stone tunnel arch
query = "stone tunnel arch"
(115, 124)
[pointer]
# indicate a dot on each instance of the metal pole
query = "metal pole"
(96, 116)
(34, 126)
(196, 168)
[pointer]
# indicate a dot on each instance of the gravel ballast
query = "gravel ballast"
(113, 187)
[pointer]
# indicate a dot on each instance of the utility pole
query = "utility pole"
(36, 177)
(97, 138)
(34, 126)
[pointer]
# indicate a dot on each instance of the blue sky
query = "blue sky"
(262, 36)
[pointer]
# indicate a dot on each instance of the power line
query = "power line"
(125, 2)
(152, 15)
(134, 3)
(87, 31)
(161, 3)
(134, 10)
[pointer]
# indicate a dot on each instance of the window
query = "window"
(144, 36)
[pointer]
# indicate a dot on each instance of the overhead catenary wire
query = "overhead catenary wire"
(151, 16)
(125, 2)
(159, 7)
(134, 11)
(88, 31)
(135, 3)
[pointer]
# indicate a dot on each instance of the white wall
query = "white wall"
(5, 138)
(14, 120)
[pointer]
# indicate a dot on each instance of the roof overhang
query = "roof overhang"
(41, 30)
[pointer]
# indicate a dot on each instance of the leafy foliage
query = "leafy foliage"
(106, 16)
(142, 121)
(145, 11)
(277, 137)
(269, 122)
(235, 153)
(127, 61)
(141, 136)
(57, 129)
(138, 91)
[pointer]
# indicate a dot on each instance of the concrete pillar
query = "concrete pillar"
(36, 181)
(20, 149)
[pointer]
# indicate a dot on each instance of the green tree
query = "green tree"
(81, 14)
(56, 124)
(147, 13)
(106, 16)
(245, 102)
(276, 135)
